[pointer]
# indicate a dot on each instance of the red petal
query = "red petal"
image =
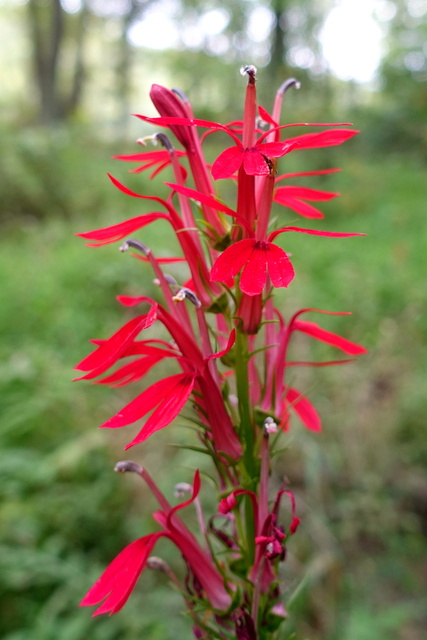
(304, 193)
(167, 121)
(266, 116)
(254, 162)
(298, 174)
(276, 149)
(171, 122)
(254, 275)
(174, 399)
(161, 260)
(201, 197)
(132, 371)
(230, 343)
(314, 232)
(315, 331)
(196, 490)
(328, 138)
(304, 409)
(119, 231)
(304, 209)
(280, 267)
(119, 578)
(154, 156)
(158, 394)
(110, 351)
(132, 301)
(231, 261)
(227, 163)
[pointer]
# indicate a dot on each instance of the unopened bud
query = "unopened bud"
(169, 105)
(270, 426)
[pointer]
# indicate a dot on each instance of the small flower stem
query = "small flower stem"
(256, 594)
(263, 487)
(246, 425)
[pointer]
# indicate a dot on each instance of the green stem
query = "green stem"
(246, 424)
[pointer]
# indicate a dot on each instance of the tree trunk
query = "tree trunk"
(58, 96)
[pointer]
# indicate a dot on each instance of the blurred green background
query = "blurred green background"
(71, 73)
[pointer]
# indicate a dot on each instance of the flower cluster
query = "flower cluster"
(230, 346)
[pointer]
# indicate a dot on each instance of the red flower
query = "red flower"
(255, 257)
(254, 159)
(119, 579)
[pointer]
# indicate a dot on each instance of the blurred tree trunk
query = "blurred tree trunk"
(279, 41)
(58, 96)
(124, 68)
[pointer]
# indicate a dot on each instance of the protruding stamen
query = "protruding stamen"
(290, 82)
(180, 94)
(127, 465)
(270, 426)
(187, 293)
(181, 489)
(143, 141)
(135, 244)
(169, 279)
(164, 140)
(250, 71)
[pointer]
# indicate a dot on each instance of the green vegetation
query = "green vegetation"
(357, 571)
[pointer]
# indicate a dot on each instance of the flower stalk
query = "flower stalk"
(231, 347)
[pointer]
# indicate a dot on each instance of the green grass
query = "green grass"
(357, 567)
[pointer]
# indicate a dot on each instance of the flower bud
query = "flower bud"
(168, 105)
